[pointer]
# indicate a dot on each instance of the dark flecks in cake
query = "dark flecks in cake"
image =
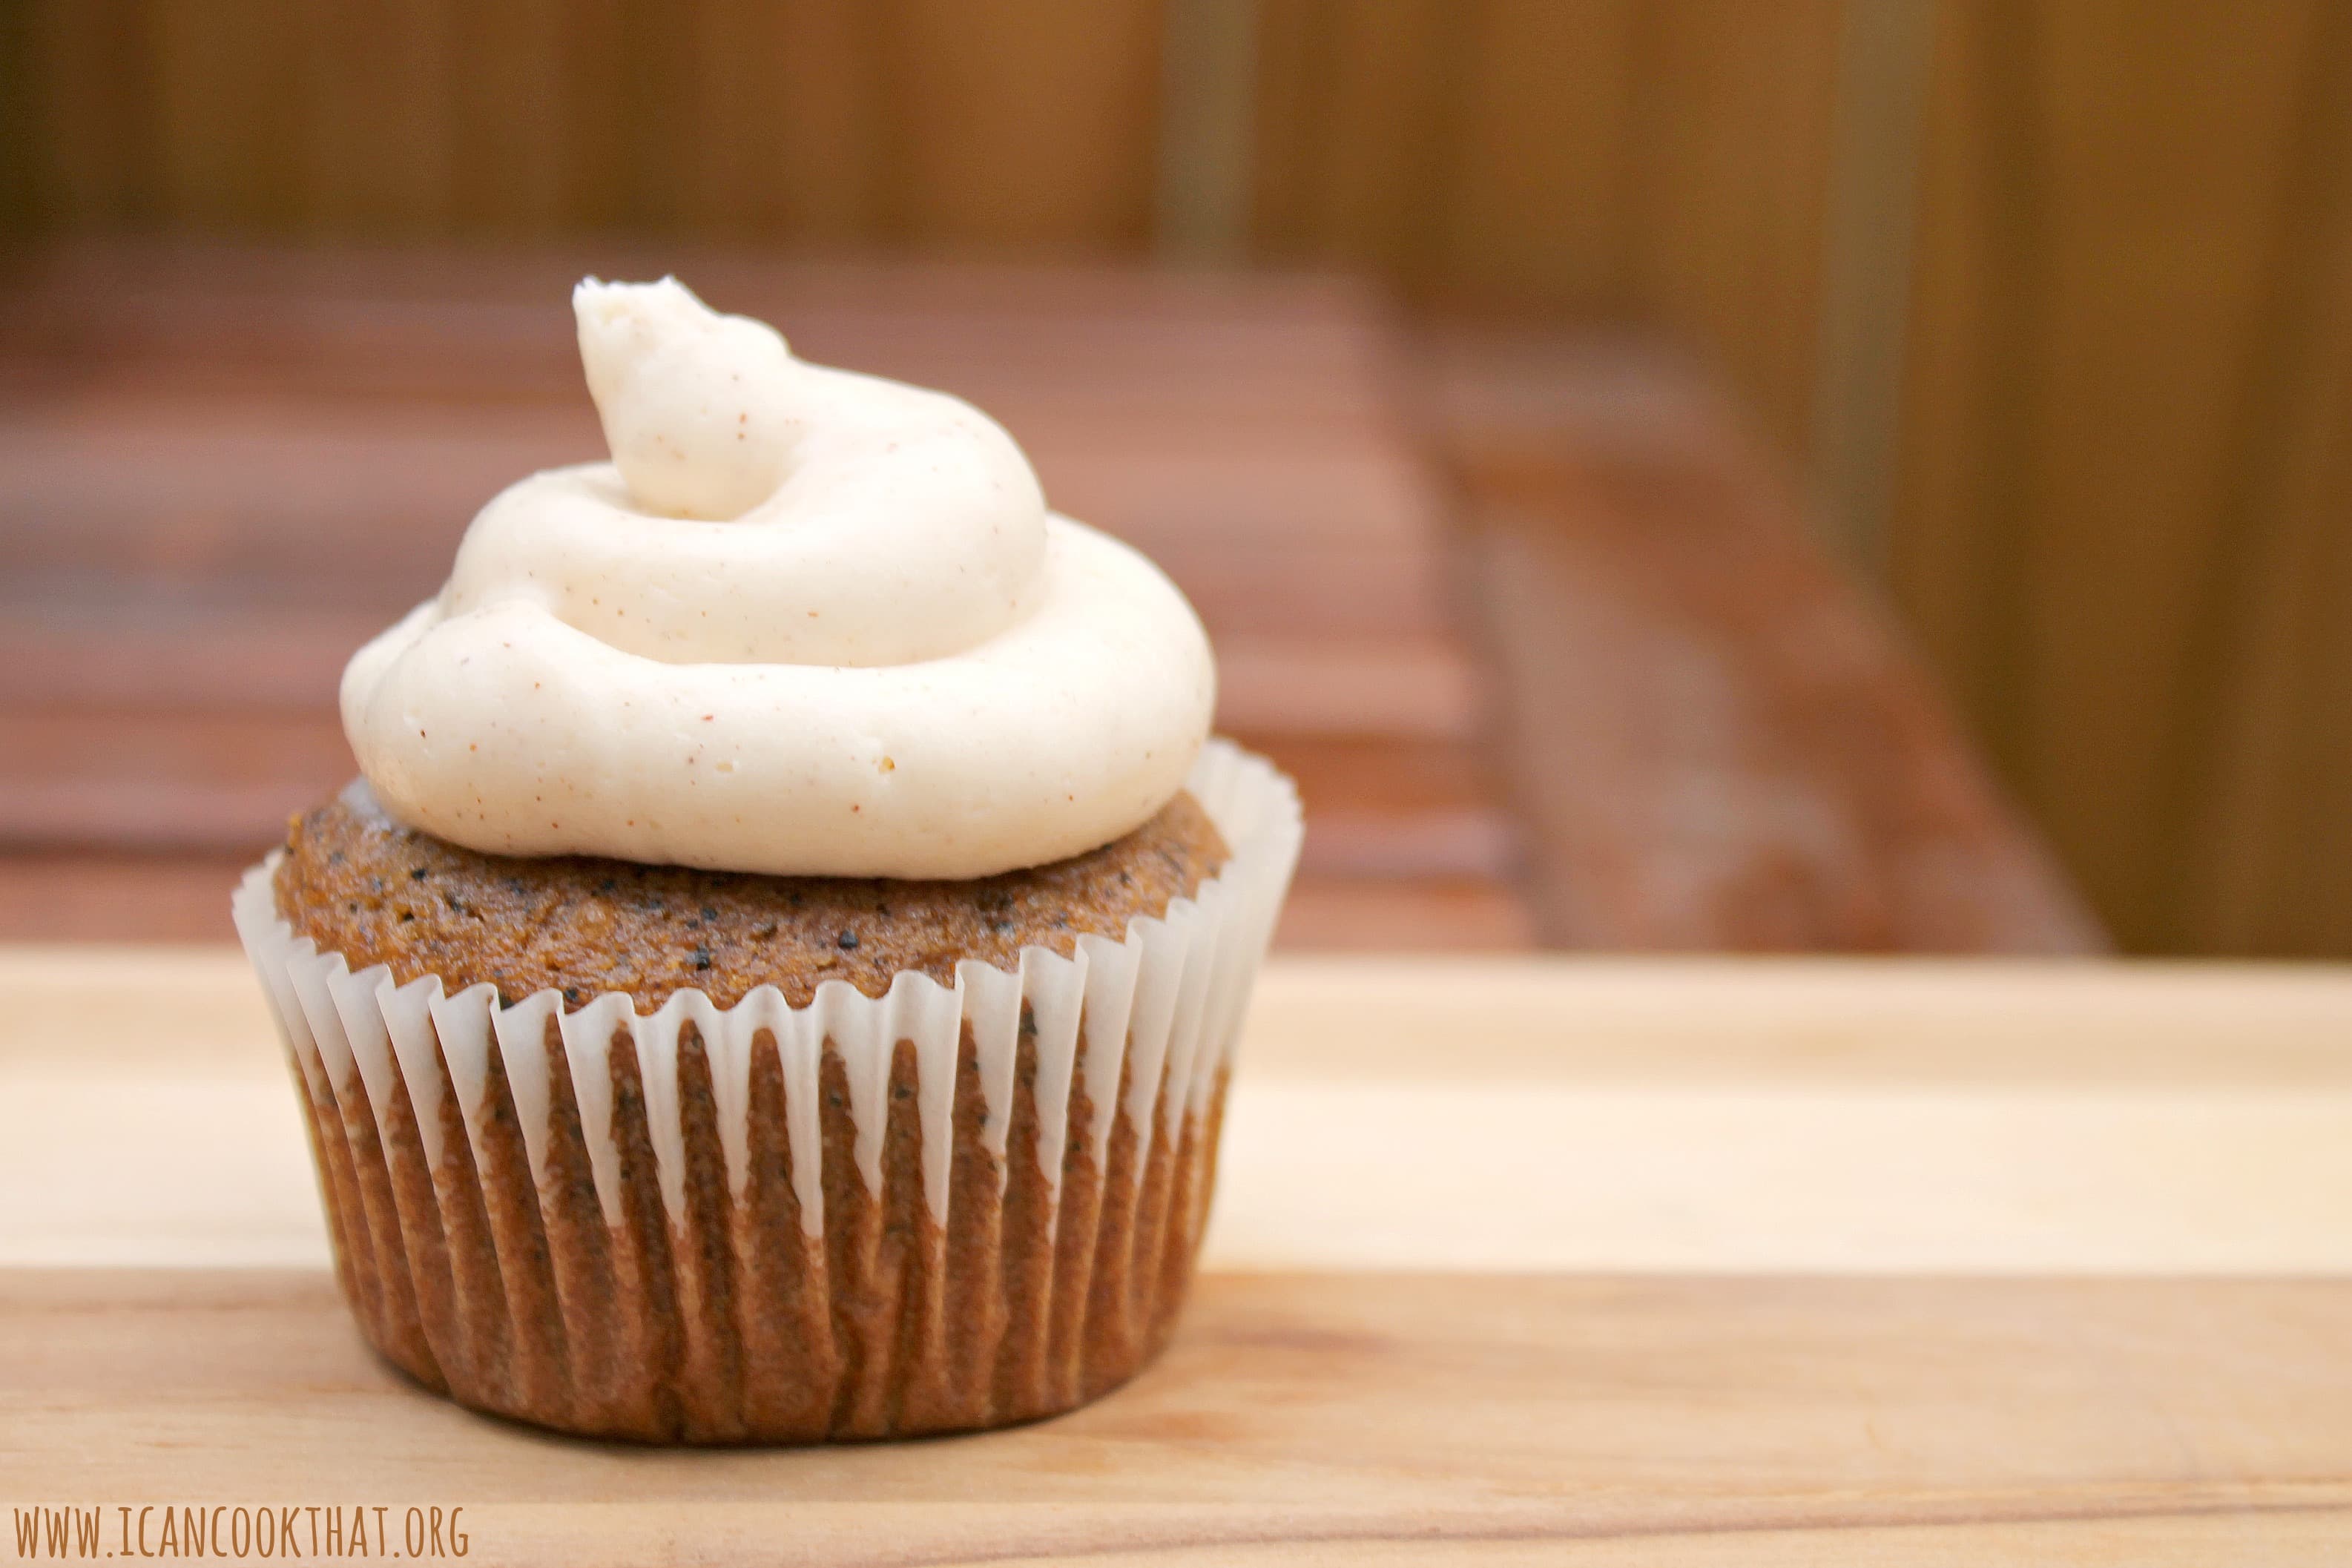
(585, 926)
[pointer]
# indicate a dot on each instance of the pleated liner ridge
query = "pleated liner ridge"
(946, 1208)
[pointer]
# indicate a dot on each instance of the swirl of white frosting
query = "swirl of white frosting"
(805, 623)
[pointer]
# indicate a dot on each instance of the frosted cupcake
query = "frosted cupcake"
(776, 976)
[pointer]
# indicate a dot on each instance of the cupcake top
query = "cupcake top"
(805, 623)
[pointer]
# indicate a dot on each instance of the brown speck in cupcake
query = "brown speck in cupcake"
(593, 926)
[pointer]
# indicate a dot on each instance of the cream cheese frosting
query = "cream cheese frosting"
(805, 622)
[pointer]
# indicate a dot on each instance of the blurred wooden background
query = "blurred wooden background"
(2048, 305)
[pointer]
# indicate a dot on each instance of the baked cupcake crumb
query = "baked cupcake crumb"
(360, 885)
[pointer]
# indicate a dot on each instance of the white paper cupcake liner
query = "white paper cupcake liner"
(683, 1226)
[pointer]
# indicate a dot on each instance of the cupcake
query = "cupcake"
(776, 975)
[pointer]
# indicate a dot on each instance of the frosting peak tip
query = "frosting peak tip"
(665, 302)
(694, 402)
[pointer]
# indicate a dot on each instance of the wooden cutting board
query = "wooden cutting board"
(1513, 1261)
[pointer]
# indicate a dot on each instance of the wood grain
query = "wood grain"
(1355, 1391)
(1657, 612)
(825, 121)
(2124, 462)
(1669, 159)
(1659, 1116)
(1314, 1418)
(1666, 161)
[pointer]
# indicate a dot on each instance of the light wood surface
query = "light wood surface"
(1513, 1261)
(1659, 1115)
(1322, 1419)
